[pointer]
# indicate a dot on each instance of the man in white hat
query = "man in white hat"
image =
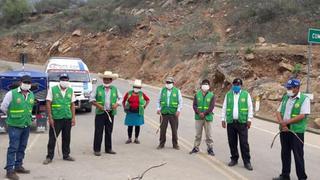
(169, 106)
(106, 99)
(134, 103)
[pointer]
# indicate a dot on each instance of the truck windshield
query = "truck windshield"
(74, 76)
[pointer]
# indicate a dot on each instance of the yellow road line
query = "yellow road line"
(213, 162)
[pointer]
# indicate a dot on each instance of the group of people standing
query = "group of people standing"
(237, 115)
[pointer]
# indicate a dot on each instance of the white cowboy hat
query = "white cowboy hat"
(108, 74)
(137, 83)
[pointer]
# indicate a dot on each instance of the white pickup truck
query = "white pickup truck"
(79, 77)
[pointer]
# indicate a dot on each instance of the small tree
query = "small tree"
(14, 11)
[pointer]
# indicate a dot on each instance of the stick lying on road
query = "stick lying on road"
(152, 167)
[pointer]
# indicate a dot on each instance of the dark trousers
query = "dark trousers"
(234, 131)
(173, 120)
(136, 129)
(18, 140)
(64, 126)
(102, 122)
(290, 142)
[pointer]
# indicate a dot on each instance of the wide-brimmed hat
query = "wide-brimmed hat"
(108, 74)
(137, 83)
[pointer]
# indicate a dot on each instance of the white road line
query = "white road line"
(34, 140)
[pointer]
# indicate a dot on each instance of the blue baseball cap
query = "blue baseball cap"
(292, 83)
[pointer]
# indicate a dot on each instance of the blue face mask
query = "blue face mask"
(236, 89)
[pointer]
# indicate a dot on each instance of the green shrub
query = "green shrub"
(52, 6)
(14, 11)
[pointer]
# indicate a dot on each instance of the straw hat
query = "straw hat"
(137, 83)
(108, 74)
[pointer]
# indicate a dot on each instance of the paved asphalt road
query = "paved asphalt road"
(132, 159)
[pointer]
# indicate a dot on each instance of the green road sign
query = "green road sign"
(314, 35)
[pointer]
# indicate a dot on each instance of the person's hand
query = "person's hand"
(223, 123)
(177, 114)
(100, 107)
(285, 129)
(249, 124)
(283, 124)
(201, 115)
(158, 111)
(73, 122)
(114, 107)
(51, 122)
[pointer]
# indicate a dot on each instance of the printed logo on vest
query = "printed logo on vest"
(174, 95)
(57, 95)
(18, 100)
(208, 100)
(243, 100)
(31, 101)
(69, 95)
(297, 105)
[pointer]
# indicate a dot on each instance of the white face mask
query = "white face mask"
(106, 85)
(205, 87)
(169, 86)
(64, 84)
(290, 93)
(25, 87)
(136, 90)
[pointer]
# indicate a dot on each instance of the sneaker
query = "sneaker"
(210, 152)
(136, 141)
(110, 152)
(128, 141)
(160, 146)
(194, 150)
(22, 170)
(69, 158)
(176, 147)
(232, 163)
(47, 161)
(248, 166)
(12, 175)
(97, 153)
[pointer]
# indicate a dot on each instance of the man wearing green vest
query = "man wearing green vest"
(61, 117)
(203, 105)
(17, 105)
(169, 106)
(106, 99)
(292, 116)
(237, 113)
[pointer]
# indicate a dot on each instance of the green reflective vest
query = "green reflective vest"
(172, 107)
(203, 103)
(301, 126)
(100, 98)
(61, 105)
(20, 110)
(242, 107)
(142, 102)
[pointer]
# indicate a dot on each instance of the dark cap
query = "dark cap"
(237, 81)
(205, 81)
(292, 83)
(64, 76)
(26, 79)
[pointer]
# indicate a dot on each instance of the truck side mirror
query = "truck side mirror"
(94, 81)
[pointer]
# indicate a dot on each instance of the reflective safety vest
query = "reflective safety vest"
(172, 107)
(61, 105)
(142, 102)
(20, 110)
(101, 98)
(203, 103)
(301, 126)
(242, 107)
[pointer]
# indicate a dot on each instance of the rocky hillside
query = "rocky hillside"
(188, 39)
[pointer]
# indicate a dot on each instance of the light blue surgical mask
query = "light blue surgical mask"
(236, 89)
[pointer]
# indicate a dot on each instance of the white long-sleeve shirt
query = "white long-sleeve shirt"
(235, 107)
(7, 100)
(107, 105)
(168, 99)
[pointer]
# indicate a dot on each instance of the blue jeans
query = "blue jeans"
(18, 140)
